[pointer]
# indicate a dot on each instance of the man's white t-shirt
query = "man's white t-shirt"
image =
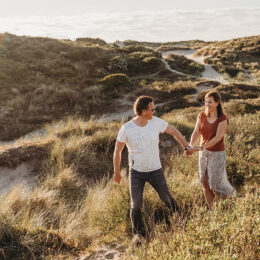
(143, 144)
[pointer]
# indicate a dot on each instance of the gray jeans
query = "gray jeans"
(137, 181)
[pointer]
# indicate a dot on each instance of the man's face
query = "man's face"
(149, 112)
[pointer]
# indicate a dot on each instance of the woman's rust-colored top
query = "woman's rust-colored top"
(209, 130)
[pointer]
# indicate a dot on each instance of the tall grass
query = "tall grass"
(237, 59)
(77, 206)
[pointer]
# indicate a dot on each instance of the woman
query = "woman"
(211, 125)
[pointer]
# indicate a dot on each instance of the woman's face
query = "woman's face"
(211, 104)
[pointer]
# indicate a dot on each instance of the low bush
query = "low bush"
(69, 209)
(115, 81)
(141, 63)
(234, 58)
(184, 65)
(89, 40)
(136, 48)
(234, 91)
(241, 107)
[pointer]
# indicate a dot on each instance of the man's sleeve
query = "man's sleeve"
(162, 125)
(121, 137)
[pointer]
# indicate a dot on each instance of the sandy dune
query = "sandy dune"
(20, 175)
(23, 173)
(209, 73)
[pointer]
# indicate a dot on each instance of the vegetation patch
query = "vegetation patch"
(115, 82)
(89, 40)
(184, 65)
(237, 59)
(74, 205)
(234, 91)
(44, 79)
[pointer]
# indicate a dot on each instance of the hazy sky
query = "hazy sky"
(78, 7)
(161, 20)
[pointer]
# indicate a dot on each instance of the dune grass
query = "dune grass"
(184, 65)
(76, 206)
(44, 79)
(237, 59)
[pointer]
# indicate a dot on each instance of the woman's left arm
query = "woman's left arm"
(222, 126)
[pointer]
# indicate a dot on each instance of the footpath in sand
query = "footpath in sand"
(209, 72)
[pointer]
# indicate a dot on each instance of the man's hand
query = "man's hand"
(189, 152)
(117, 159)
(117, 177)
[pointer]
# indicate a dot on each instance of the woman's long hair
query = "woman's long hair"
(217, 98)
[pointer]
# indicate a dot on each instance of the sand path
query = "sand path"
(21, 175)
(209, 72)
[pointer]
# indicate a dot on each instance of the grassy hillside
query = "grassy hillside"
(71, 212)
(44, 79)
(184, 65)
(76, 207)
(237, 59)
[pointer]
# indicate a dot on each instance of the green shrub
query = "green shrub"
(115, 81)
(234, 58)
(136, 48)
(152, 64)
(242, 144)
(233, 91)
(241, 107)
(118, 64)
(232, 71)
(89, 40)
(182, 64)
(139, 55)
(148, 65)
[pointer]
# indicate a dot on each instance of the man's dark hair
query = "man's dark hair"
(141, 104)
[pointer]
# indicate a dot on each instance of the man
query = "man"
(141, 136)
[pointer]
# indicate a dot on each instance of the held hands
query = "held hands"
(192, 149)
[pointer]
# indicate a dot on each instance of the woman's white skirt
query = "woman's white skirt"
(214, 163)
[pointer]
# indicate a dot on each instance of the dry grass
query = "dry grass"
(234, 91)
(75, 207)
(184, 65)
(237, 59)
(43, 79)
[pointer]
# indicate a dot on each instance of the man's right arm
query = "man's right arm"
(117, 160)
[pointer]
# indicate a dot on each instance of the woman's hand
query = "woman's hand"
(189, 152)
(199, 148)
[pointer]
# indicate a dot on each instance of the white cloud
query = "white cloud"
(142, 25)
